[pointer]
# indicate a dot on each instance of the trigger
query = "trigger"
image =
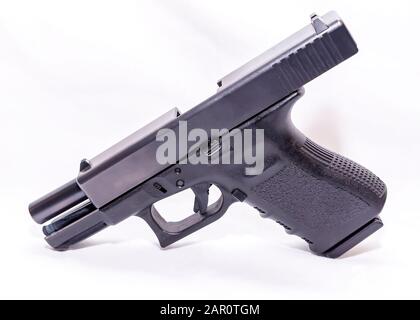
(201, 200)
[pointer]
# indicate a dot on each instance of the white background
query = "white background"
(77, 76)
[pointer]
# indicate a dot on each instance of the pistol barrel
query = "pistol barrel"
(56, 202)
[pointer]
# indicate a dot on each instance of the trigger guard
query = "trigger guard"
(169, 232)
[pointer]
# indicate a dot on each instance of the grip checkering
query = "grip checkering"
(345, 167)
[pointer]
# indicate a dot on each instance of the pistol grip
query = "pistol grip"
(328, 200)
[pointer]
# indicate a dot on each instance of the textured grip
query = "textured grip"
(329, 201)
(345, 167)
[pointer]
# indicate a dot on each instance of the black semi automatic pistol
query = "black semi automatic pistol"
(329, 201)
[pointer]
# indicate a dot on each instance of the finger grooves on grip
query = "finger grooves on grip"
(345, 167)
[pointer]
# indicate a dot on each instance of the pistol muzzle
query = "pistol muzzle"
(57, 202)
